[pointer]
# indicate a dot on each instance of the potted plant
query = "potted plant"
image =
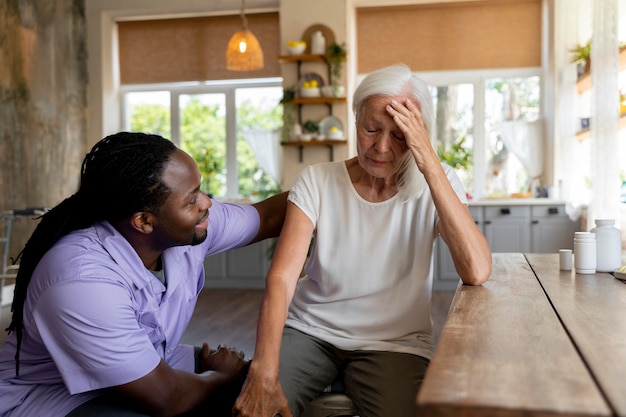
(289, 93)
(581, 56)
(335, 56)
(311, 127)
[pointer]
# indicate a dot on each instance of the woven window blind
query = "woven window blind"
(192, 49)
(451, 36)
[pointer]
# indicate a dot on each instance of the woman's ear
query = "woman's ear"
(142, 221)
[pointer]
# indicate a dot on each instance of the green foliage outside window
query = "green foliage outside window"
(203, 128)
(253, 181)
(456, 154)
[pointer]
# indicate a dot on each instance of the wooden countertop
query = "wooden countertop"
(532, 341)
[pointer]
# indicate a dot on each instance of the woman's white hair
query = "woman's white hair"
(398, 80)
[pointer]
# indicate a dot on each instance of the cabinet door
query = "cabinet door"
(238, 268)
(445, 277)
(552, 229)
(507, 228)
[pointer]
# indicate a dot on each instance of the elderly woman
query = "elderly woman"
(362, 309)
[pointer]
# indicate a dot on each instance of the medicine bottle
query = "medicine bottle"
(585, 252)
(608, 245)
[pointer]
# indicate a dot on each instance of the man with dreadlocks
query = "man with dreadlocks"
(108, 282)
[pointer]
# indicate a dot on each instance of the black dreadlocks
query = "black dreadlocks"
(121, 175)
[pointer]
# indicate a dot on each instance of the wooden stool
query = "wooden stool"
(333, 402)
(330, 404)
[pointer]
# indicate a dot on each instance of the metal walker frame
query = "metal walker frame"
(9, 271)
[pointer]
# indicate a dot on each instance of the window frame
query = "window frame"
(226, 87)
(478, 79)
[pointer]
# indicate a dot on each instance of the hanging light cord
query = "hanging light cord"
(244, 21)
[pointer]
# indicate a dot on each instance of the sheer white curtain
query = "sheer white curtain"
(525, 140)
(605, 181)
(265, 145)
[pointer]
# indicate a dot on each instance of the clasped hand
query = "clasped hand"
(261, 397)
(225, 360)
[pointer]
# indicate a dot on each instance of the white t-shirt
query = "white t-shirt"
(368, 279)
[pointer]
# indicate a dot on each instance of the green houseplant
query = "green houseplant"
(289, 93)
(581, 56)
(335, 56)
(311, 126)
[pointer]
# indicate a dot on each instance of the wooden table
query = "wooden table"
(531, 341)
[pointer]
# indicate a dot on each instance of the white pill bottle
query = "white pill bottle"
(608, 245)
(585, 252)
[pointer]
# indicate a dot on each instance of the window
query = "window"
(488, 128)
(208, 120)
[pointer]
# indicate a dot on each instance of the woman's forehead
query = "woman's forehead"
(382, 101)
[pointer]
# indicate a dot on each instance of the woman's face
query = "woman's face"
(380, 143)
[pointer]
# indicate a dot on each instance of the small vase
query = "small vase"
(318, 43)
(339, 91)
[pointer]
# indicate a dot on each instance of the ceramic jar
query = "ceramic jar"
(318, 43)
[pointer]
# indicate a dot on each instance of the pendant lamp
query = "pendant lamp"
(244, 52)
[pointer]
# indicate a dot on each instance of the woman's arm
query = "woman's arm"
(469, 248)
(262, 395)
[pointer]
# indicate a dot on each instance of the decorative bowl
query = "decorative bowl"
(335, 134)
(309, 92)
(296, 47)
(333, 91)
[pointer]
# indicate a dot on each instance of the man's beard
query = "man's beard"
(196, 240)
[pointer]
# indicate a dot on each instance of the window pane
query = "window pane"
(510, 167)
(148, 112)
(258, 166)
(203, 136)
(454, 126)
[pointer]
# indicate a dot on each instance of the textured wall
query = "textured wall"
(43, 80)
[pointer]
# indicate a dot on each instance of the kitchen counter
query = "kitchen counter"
(516, 202)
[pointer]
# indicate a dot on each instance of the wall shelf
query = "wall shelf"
(583, 84)
(584, 134)
(300, 102)
(328, 143)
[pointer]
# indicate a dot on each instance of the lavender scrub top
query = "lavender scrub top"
(95, 317)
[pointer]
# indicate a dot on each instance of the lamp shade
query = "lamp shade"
(244, 52)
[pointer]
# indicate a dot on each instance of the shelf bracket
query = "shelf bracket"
(331, 152)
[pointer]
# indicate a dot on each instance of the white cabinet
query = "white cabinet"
(238, 268)
(551, 229)
(507, 228)
(539, 228)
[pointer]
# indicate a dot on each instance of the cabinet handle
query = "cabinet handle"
(553, 210)
(487, 221)
(476, 222)
(505, 210)
(535, 222)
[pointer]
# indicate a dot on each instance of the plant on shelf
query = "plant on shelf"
(311, 126)
(289, 93)
(581, 56)
(335, 56)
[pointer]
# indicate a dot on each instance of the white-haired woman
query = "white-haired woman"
(362, 309)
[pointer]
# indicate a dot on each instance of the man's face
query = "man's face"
(184, 217)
